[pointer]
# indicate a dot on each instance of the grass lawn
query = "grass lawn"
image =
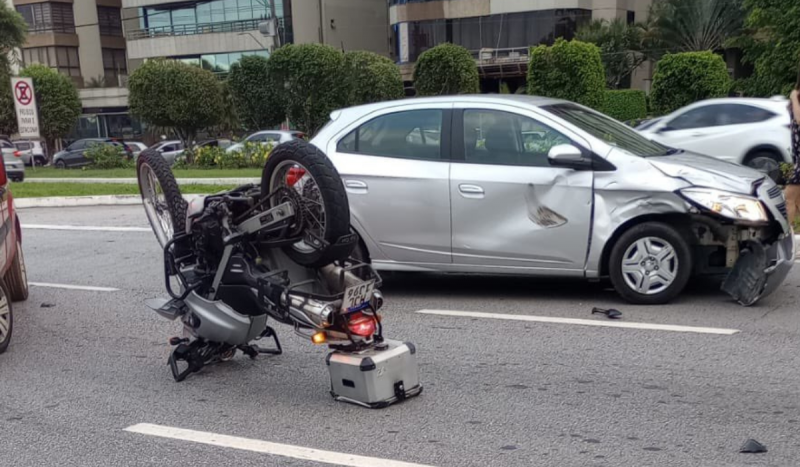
(39, 190)
(52, 172)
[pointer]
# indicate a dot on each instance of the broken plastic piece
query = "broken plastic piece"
(747, 280)
(611, 313)
(752, 446)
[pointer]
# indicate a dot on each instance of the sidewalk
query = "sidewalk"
(132, 181)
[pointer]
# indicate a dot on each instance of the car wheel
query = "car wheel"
(60, 164)
(6, 319)
(767, 163)
(650, 264)
(17, 277)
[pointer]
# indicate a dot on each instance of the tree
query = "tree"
(371, 78)
(623, 47)
(258, 100)
(772, 45)
(311, 78)
(446, 69)
(173, 94)
(58, 102)
(12, 36)
(683, 78)
(696, 25)
(568, 70)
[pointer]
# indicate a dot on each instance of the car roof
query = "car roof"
(515, 99)
(777, 103)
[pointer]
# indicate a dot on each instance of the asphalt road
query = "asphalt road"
(85, 365)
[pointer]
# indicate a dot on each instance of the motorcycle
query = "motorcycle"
(281, 250)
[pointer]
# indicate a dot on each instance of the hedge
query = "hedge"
(626, 105)
(371, 78)
(446, 69)
(687, 77)
(568, 70)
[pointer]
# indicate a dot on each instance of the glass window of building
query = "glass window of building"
(64, 59)
(48, 17)
(109, 20)
(114, 65)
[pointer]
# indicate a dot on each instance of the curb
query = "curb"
(133, 181)
(78, 201)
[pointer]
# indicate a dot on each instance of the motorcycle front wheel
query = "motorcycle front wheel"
(302, 167)
(163, 203)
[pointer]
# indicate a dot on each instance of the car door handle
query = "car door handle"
(470, 191)
(356, 186)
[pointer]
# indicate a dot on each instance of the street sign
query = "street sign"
(25, 103)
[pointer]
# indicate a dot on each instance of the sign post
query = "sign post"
(25, 104)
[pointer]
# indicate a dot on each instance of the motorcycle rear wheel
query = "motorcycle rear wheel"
(163, 203)
(302, 167)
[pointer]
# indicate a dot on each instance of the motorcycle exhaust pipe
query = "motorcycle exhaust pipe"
(336, 281)
(312, 312)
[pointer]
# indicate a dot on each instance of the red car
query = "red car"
(14, 285)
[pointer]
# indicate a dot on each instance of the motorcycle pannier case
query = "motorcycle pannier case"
(375, 378)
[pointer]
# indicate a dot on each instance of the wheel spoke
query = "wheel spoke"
(644, 284)
(632, 268)
(3, 324)
(665, 254)
(665, 275)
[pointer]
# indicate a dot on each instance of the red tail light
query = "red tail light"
(361, 325)
(17, 153)
(294, 175)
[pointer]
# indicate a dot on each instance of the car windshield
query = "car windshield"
(608, 130)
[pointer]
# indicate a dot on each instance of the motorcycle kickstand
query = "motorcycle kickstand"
(269, 332)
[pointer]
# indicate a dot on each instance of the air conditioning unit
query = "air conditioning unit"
(268, 28)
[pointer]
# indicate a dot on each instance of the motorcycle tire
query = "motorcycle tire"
(339, 241)
(172, 208)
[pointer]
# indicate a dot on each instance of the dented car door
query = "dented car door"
(510, 208)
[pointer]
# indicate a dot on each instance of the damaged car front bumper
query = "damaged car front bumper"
(760, 269)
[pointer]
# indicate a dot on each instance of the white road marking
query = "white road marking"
(582, 322)
(74, 287)
(85, 228)
(265, 447)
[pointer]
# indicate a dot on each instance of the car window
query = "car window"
(503, 138)
(5, 144)
(23, 146)
(80, 144)
(413, 134)
(702, 117)
(260, 138)
(739, 114)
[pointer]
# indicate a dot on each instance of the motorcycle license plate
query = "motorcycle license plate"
(357, 296)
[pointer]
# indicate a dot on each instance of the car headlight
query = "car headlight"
(730, 205)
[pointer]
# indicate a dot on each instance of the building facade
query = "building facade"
(497, 32)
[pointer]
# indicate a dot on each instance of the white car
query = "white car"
(275, 137)
(747, 131)
(31, 151)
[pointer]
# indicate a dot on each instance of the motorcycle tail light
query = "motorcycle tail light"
(294, 175)
(361, 325)
(319, 338)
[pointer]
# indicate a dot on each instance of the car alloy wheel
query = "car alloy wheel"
(650, 265)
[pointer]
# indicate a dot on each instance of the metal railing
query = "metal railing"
(192, 29)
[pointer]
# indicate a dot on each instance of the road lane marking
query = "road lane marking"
(74, 287)
(93, 228)
(582, 322)
(266, 447)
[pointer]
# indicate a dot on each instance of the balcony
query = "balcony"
(192, 29)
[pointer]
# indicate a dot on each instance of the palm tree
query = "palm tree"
(695, 25)
(622, 47)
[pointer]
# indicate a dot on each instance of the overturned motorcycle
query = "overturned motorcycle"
(281, 250)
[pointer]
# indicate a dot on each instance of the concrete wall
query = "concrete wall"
(103, 97)
(306, 21)
(195, 44)
(90, 51)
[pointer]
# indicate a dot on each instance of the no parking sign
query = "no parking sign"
(25, 103)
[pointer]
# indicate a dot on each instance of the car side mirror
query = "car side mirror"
(569, 157)
(665, 129)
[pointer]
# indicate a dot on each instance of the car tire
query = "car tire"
(17, 277)
(650, 264)
(6, 319)
(767, 162)
(60, 164)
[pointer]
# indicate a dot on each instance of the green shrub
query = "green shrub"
(444, 70)
(252, 155)
(107, 156)
(371, 78)
(626, 105)
(687, 77)
(568, 70)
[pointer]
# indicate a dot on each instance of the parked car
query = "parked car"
(136, 147)
(748, 131)
(75, 154)
(586, 197)
(12, 159)
(169, 149)
(173, 155)
(31, 152)
(14, 286)
(275, 137)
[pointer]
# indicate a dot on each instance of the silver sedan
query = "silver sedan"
(544, 187)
